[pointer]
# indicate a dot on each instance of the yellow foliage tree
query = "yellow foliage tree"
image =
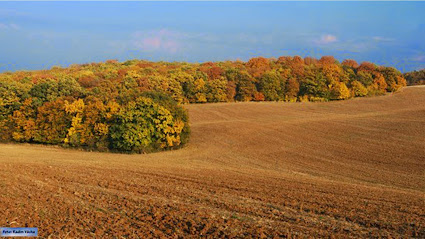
(339, 91)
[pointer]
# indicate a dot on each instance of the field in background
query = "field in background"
(347, 168)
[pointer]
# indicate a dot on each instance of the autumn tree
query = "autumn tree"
(291, 90)
(257, 66)
(144, 126)
(52, 122)
(367, 66)
(216, 90)
(393, 78)
(179, 113)
(415, 77)
(271, 85)
(310, 61)
(315, 84)
(23, 119)
(195, 89)
(350, 63)
(339, 91)
(358, 89)
(169, 85)
(211, 70)
(327, 60)
(245, 84)
(365, 78)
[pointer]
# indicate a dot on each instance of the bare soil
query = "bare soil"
(352, 168)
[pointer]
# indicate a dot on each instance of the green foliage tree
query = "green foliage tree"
(195, 89)
(179, 113)
(144, 126)
(44, 91)
(245, 84)
(415, 77)
(393, 78)
(315, 85)
(365, 78)
(270, 84)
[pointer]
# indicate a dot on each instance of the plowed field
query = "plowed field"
(353, 168)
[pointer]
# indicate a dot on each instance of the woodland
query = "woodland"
(136, 106)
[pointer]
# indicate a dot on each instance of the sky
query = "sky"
(39, 35)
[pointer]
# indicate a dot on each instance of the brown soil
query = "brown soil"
(354, 168)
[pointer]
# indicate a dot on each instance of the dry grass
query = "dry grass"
(350, 169)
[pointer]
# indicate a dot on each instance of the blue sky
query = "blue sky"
(39, 35)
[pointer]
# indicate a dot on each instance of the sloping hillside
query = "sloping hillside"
(347, 168)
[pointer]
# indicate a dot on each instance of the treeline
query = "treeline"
(415, 77)
(135, 106)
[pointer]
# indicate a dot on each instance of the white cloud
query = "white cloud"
(326, 39)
